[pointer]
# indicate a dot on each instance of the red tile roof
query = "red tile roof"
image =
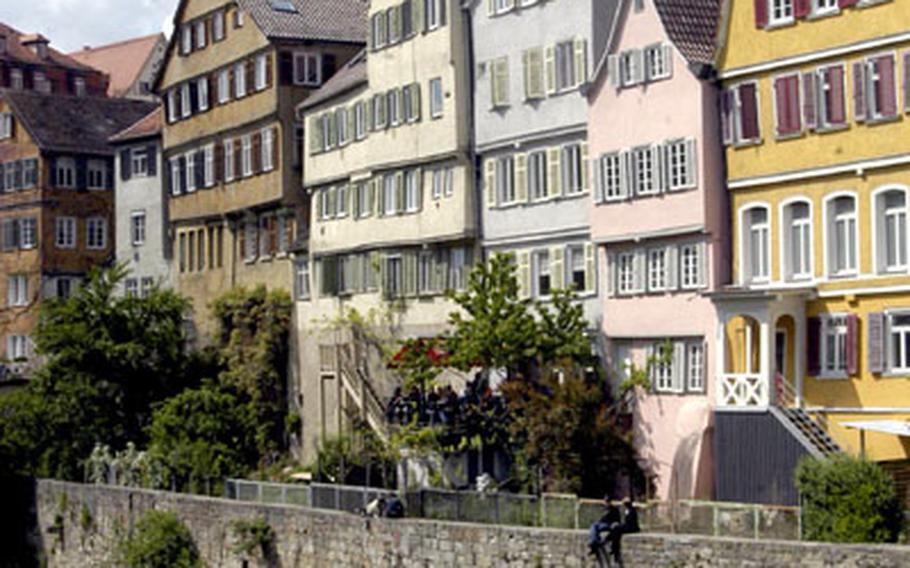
(17, 52)
(692, 27)
(147, 127)
(123, 60)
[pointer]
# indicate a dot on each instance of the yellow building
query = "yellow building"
(814, 116)
(233, 74)
(389, 171)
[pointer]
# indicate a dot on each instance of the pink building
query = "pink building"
(660, 218)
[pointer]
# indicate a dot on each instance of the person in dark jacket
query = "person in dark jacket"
(629, 518)
(609, 523)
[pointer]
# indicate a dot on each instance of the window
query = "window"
(781, 11)
(17, 290)
(662, 372)
(842, 246)
(695, 367)
(42, 85)
(208, 165)
(821, 7)
(542, 270)
(360, 121)
(394, 106)
(756, 245)
(657, 270)
(832, 108)
(499, 82)
(16, 347)
(680, 164)
(224, 87)
(200, 34)
(307, 69)
(436, 98)
(393, 277)
(364, 200)
(302, 279)
(186, 102)
(625, 268)
(246, 155)
(6, 125)
(228, 160)
(31, 173)
(426, 268)
(64, 288)
(218, 26)
(137, 228)
(190, 159)
(380, 30)
(139, 161)
(97, 174)
(202, 93)
(379, 112)
(240, 79)
(390, 194)
(690, 263)
(238, 18)
(407, 19)
(438, 183)
(327, 204)
(65, 231)
(657, 62)
(28, 233)
(505, 180)
(432, 14)
(891, 223)
(577, 268)
(899, 348)
(262, 67)
(572, 169)
(250, 240)
(502, 6)
(176, 177)
(798, 241)
(537, 175)
(643, 162)
(131, 287)
(65, 173)
(186, 39)
(787, 109)
(267, 149)
(534, 83)
(411, 103)
(96, 233)
(16, 79)
(881, 96)
(631, 70)
(739, 114)
(834, 345)
(565, 66)
(611, 177)
(393, 20)
(147, 285)
(412, 191)
(341, 201)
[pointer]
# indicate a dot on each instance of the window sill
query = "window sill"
(896, 374)
(790, 22)
(883, 120)
(746, 143)
(833, 377)
(831, 128)
(820, 15)
(870, 3)
(790, 136)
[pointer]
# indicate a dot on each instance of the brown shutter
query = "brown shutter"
(813, 342)
(257, 152)
(218, 162)
(286, 68)
(875, 321)
(749, 103)
(238, 158)
(801, 8)
(859, 91)
(761, 13)
(907, 81)
(250, 67)
(837, 114)
(268, 71)
(213, 85)
(276, 148)
(852, 347)
(273, 235)
(810, 101)
(887, 93)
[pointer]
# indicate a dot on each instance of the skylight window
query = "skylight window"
(283, 6)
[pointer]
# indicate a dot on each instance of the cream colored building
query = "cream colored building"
(233, 74)
(394, 217)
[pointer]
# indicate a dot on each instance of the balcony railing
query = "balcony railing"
(742, 390)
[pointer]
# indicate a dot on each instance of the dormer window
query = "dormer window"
(79, 86)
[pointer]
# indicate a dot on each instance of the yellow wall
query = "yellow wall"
(747, 45)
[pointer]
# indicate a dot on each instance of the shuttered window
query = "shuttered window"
(787, 106)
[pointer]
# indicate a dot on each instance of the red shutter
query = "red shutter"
(875, 321)
(801, 8)
(886, 97)
(813, 343)
(726, 115)
(907, 81)
(748, 98)
(837, 112)
(845, 3)
(810, 99)
(761, 13)
(786, 93)
(852, 347)
(795, 121)
(780, 106)
(859, 91)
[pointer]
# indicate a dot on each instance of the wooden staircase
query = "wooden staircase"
(811, 432)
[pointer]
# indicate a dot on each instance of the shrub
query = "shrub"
(846, 499)
(160, 540)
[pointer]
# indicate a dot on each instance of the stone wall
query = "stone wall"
(79, 525)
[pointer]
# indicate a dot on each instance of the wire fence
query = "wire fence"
(710, 518)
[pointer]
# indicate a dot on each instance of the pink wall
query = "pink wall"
(672, 432)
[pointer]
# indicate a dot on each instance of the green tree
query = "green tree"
(160, 540)
(109, 360)
(202, 436)
(847, 499)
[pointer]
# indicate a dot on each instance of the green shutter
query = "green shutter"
(521, 177)
(590, 268)
(557, 268)
(585, 168)
(554, 185)
(550, 63)
(524, 274)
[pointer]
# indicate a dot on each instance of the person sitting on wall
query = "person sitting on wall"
(394, 508)
(630, 517)
(375, 508)
(609, 523)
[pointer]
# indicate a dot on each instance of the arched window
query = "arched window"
(756, 244)
(891, 230)
(797, 236)
(842, 245)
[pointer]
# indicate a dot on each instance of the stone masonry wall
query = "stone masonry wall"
(95, 518)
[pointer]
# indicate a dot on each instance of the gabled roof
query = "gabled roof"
(19, 53)
(351, 76)
(60, 123)
(692, 26)
(326, 20)
(123, 61)
(148, 126)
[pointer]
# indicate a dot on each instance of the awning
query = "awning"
(895, 427)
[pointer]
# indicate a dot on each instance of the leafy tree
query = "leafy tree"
(108, 360)
(202, 436)
(254, 327)
(160, 540)
(846, 499)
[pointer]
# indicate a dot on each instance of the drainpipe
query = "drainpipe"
(471, 150)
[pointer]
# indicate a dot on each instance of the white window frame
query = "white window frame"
(749, 232)
(65, 232)
(505, 180)
(658, 271)
(6, 125)
(240, 86)
(538, 176)
(302, 279)
(17, 290)
(691, 265)
(572, 169)
(389, 195)
(437, 97)
(139, 161)
(832, 223)
(28, 233)
(882, 216)
(411, 191)
(824, 7)
(218, 26)
(789, 228)
(566, 74)
(432, 14)
(229, 157)
(780, 12)
(17, 347)
(65, 173)
(543, 268)
(575, 264)
(262, 62)
(644, 161)
(303, 60)
(190, 159)
(903, 331)
(695, 366)
(202, 94)
(224, 86)
(246, 155)
(267, 149)
(208, 174)
(833, 365)
(360, 120)
(96, 233)
(96, 174)
(138, 228)
(186, 101)
(625, 273)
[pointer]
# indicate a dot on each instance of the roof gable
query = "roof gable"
(123, 61)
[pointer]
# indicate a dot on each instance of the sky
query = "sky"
(72, 24)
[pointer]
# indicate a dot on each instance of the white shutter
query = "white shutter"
(702, 264)
(599, 189)
(613, 71)
(672, 266)
(585, 168)
(679, 367)
(581, 61)
(691, 163)
(640, 265)
(668, 59)
(610, 277)
(658, 166)
(524, 274)
(625, 175)
(489, 180)
(590, 268)
(638, 66)
(557, 268)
